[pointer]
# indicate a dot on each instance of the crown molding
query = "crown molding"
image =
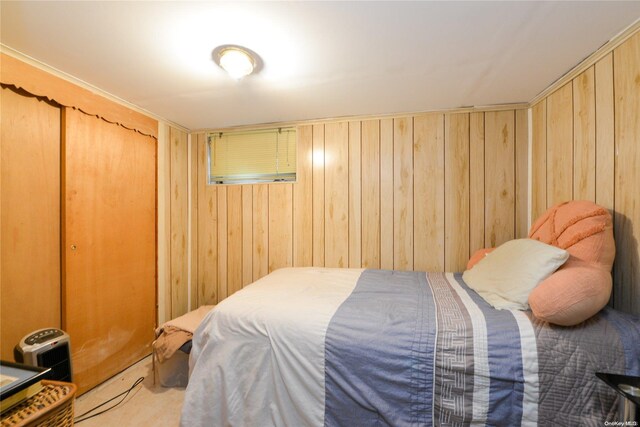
(473, 109)
(589, 61)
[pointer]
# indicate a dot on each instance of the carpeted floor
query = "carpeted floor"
(146, 405)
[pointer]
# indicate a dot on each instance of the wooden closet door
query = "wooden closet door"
(109, 246)
(30, 218)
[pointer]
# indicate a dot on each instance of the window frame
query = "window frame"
(272, 178)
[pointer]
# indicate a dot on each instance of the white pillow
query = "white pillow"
(506, 276)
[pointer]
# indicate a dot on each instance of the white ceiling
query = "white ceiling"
(321, 59)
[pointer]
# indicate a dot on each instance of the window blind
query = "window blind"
(252, 156)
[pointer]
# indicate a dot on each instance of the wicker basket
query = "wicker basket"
(51, 407)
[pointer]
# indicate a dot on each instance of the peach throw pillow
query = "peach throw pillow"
(582, 286)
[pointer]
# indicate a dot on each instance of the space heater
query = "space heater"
(46, 348)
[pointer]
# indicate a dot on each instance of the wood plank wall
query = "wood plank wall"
(586, 146)
(176, 248)
(418, 192)
(179, 221)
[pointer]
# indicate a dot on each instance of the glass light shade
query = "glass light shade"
(236, 62)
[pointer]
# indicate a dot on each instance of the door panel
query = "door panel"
(109, 244)
(30, 218)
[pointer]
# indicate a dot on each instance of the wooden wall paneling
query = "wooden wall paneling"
(280, 226)
(223, 291)
(318, 195)
(476, 182)
(193, 221)
(456, 191)
(538, 159)
(386, 194)
(303, 200)
(164, 223)
(260, 231)
(371, 194)
(626, 295)
(336, 194)
(560, 145)
(428, 192)
(605, 128)
(234, 239)
(29, 218)
(179, 222)
(584, 136)
(355, 195)
(499, 177)
(207, 230)
(403, 193)
(110, 271)
(247, 235)
(599, 109)
(522, 173)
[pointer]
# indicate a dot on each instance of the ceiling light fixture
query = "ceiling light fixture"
(235, 60)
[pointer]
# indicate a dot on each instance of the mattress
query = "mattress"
(349, 347)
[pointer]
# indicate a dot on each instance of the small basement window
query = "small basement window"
(242, 157)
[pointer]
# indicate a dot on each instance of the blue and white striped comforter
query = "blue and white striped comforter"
(352, 347)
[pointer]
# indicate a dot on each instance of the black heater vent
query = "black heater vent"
(58, 360)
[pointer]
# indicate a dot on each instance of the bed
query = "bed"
(354, 347)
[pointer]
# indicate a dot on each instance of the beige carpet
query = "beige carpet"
(146, 405)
